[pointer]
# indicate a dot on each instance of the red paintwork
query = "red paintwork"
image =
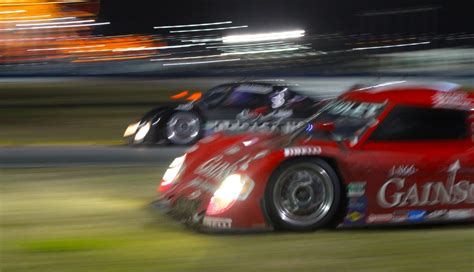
(366, 161)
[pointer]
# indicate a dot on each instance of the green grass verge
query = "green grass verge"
(95, 219)
(30, 124)
(67, 125)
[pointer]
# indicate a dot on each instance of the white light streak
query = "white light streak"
(12, 11)
(204, 40)
(261, 51)
(193, 25)
(142, 48)
(198, 62)
(245, 45)
(383, 85)
(208, 29)
(388, 46)
(264, 36)
(58, 23)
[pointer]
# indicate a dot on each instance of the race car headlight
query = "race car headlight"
(234, 187)
(131, 129)
(142, 131)
(173, 171)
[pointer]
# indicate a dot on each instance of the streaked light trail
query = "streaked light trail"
(264, 36)
(156, 48)
(193, 25)
(261, 51)
(198, 62)
(388, 46)
(12, 11)
(208, 29)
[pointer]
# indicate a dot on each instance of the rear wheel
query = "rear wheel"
(303, 194)
(183, 128)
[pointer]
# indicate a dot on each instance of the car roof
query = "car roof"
(434, 94)
(262, 87)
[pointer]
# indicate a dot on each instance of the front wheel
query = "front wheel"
(183, 128)
(303, 194)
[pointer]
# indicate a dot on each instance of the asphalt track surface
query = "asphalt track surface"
(59, 156)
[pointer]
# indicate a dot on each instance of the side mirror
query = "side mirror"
(327, 127)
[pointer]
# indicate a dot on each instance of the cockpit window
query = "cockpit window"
(351, 119)
(215, 95)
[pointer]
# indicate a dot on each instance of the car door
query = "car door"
(417, 161)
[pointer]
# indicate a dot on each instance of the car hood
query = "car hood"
(215, 157)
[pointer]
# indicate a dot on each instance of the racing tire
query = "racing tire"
(303, 195)
(183, 128)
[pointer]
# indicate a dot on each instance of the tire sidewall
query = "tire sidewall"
(271, 210)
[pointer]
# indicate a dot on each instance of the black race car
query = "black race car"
(233, 107)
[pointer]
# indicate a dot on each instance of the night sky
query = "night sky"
(315, 16)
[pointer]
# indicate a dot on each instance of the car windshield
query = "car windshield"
(350, 119)
(214, 95)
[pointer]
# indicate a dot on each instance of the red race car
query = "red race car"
(390, 153)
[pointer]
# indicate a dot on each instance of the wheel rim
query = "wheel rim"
(303, 194)
(183, 128)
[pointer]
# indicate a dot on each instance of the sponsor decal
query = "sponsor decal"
(233, 150)
(416, 215)
(420, 216)
(255, 117)
(399, 216)
(452, 100)
(218, 169)
(302, 151)
(185, 107)
(354, 216)
(356, 189)
(217, 222)
(357, 203)
(241, 126)
(278, 99)
(429, 194)
(402, 171)
(356, 210)
(436, 214)
(353, 109)
(459, 214)
(379, 218)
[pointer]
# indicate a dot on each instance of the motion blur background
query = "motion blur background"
(74, 73)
